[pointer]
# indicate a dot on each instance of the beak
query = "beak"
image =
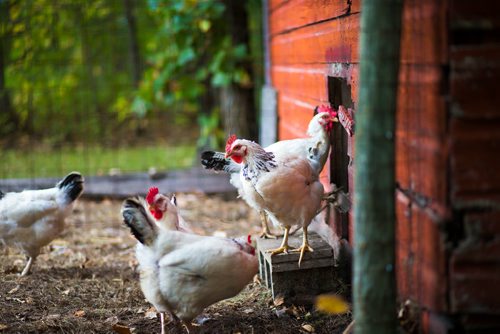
(151, 207)
(228, 154)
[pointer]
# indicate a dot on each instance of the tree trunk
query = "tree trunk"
(237, 103)
(133, 42)
(7, 112)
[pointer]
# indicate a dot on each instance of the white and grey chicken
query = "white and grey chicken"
(315, 148)
(183, 273)
(283, 184)
(31, 219)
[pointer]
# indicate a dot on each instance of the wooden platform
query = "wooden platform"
(121, 186)
(298, 285)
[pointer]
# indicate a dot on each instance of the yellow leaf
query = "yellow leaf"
(332, 304)
(80, 313)
(204, 25)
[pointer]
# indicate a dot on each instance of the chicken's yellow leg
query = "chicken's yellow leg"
(305, 246)
(284, 248)
(266, 233)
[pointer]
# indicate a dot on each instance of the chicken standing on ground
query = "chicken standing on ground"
(183, 273)
(315, 148)
(280, 183)
(31, 219)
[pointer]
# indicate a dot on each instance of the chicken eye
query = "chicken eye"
(237, 147)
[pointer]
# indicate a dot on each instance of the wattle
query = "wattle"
(237, 159)
(157, 214)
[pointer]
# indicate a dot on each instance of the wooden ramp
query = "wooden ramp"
(121, 186)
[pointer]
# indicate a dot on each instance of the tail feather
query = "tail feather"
(217, 161)
(72, 185)
(139, 221)
(2, 194)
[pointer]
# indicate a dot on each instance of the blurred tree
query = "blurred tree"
(133, 41)
(63, 69)
(90, 70)
(8, 116)
(201, 63)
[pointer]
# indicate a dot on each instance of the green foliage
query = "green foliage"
(66, 66)
(68, 69)
(211, 134)
(191, 55)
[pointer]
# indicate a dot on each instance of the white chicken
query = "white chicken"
(159, 205)
(31, 219)
(315, 148)
(183, 273)
(283, 184)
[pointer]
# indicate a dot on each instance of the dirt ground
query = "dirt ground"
(86, 280)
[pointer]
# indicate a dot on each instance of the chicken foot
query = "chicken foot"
(284, 248)
(27, 268)
(305, 246)
(266, 232)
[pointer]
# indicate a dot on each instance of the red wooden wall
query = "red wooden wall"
(447, 140)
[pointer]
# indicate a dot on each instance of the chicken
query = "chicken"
(160, 204)
(183, 273)
(31, 219)
(315, 148)
(283, 184)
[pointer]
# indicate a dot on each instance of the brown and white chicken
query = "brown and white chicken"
(315, 148)
(183, 273)
(31, 219)
(283, 184)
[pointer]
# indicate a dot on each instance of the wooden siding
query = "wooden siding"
(447, 139)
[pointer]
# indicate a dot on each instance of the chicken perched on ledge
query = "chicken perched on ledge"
(31, 219)
(283, 184)
(183, 273)
(315, 148)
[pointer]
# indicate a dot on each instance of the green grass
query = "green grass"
(94, 160)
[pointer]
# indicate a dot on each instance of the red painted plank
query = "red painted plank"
(312, 80)
(424, 32)
(274, 4)
(299, 13)
(475, 158)
(330, 41)
(421, 102)
(466, 13)
(421, 166)
(484, 225)
(421, 257)
(475, 277)
(301, 80)
(475, 72)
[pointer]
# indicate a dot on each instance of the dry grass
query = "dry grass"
(86, 280)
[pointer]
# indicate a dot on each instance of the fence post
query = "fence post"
(374, 287)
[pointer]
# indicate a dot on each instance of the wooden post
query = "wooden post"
(374, 287)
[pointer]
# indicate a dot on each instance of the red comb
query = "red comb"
(153, 191)
(328, 109)
(230, 142)
(249, 239)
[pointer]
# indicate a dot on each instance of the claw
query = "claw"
(284, 248)
(305, 246)
(267, 235)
